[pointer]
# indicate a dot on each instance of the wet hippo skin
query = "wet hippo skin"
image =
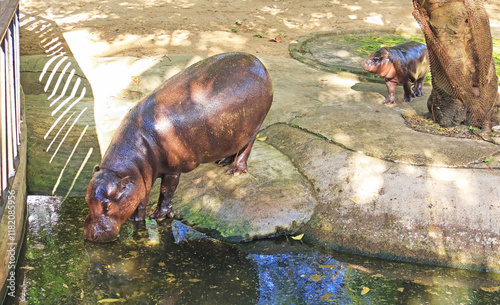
(404, 63)
(211, 111)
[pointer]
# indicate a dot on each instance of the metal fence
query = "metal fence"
(10, 94)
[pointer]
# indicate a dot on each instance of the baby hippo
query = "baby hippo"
(211, 111)
(404, 63)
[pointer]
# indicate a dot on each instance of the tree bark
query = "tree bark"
(464, 81)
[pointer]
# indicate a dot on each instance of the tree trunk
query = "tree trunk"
(464, 82)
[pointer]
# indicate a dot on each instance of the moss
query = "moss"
(215, 225)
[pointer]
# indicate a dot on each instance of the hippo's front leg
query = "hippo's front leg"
(391, 91)
(164, 207)
(140, 213)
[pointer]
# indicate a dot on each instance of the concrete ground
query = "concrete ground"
(333, 162)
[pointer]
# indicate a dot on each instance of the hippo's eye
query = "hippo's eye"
(106, 205)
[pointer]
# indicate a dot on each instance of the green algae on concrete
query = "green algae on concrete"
(272, 197)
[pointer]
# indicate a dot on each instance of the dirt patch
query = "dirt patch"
(427, 125)
(153, 27)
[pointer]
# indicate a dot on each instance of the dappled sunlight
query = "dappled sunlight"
(343, 138)
(461, 183)
(181, 26)
(365, 178)
(332, 84)
(75, 18)
(181, 38)
(352, 8)
(374, 19)
(271, 10)
(439, 159)
(208, 41)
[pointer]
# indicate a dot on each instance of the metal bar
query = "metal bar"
(6, 16)
(10, 99)
(10, 95)
(3, 103)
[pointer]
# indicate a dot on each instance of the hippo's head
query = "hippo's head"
(111, 200)
(379, 62)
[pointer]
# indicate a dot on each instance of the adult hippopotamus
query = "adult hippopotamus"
(211, 111)
(404, 63)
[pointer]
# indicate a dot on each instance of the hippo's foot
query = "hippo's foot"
(237, 169)
(161, 213)
(418, 92)
(226, 161)
(389, 101)
(408, 99)
(139, 213)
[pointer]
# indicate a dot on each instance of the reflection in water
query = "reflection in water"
(298, 278)
(170, 263)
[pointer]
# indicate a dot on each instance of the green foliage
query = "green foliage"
(369, 44)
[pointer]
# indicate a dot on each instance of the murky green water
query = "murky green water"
(169, 263)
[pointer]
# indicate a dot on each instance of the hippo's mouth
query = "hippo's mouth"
(101, 230)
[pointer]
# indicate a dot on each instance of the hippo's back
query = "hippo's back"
(208, 111)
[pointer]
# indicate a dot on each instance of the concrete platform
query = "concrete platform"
(335, 164)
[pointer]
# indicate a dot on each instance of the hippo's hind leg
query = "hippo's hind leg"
(239, 165)
(417, 88)
(409, 95)
(164, 207)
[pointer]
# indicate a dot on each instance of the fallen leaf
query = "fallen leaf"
(491, 289)
(352, 200)
(110, 300)
(161, 264)
(136, 80)
(65, 286)
(423, 283)
(262, 139)
(378, 275)
(326, 297)
(27, 268)
(365, 290)
(328, 266)
(194, 280)
(81, 295)
(315, 277)
(401, 289)
(298, 237)
(277, 39)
